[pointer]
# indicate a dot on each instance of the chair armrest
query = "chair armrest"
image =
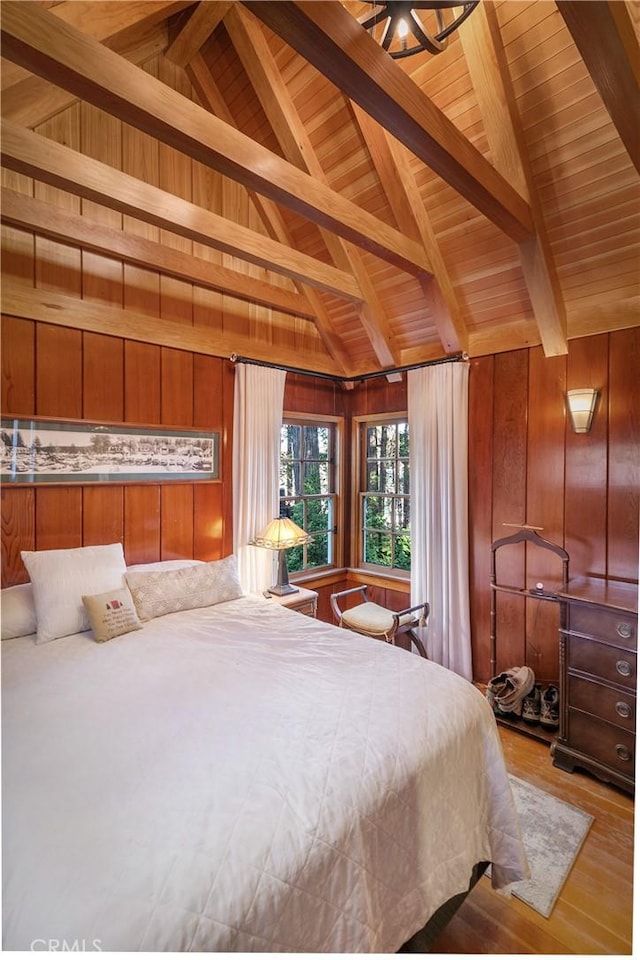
(418, 606)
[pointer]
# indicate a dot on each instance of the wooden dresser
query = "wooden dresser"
(598, 649)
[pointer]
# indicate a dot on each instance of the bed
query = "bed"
(239, 777)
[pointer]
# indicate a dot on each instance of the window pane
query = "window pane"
(316, 443)
(290, 441)
(316, 478)
(290, 473)
(388, 441)
(377, 548)
(403, 439)
(402, 553)
(375, 441)
(297, 512)
(387, 470)
(373, 475)
(318, 551)
(402, 515)
(295, 559)
(403, 477)
(379, 512)
(319, 515)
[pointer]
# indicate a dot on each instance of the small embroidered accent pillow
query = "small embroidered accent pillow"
(111, 614)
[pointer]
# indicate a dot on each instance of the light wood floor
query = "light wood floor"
(593, 914)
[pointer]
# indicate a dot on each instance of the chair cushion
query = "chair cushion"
(372, 619)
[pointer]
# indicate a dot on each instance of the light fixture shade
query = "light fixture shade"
(282, 534)
(403, 28)
(581, 405)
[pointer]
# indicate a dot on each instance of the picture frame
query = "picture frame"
(41, 451)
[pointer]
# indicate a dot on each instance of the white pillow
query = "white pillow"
(169, 591)
(18, 611)
(61, 578)
(162, 565)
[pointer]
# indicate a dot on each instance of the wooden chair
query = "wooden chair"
(372, 620)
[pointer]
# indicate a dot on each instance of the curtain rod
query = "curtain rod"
(337, 379)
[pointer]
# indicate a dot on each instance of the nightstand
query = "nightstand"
(303, 601)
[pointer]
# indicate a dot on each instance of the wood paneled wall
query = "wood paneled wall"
(50, 371)
(526, 464)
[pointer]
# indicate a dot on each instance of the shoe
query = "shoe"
(507, 691)
(531, 705)
(497, 687)
(550, 709)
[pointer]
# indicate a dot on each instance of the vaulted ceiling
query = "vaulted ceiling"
(321, 204)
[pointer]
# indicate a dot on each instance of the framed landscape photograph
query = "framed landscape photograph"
(56, 451)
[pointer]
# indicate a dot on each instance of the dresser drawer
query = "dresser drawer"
(611, 746)
(614, 625)
(602, 661)
(611, 705)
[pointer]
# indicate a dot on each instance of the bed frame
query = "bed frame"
(423, 940)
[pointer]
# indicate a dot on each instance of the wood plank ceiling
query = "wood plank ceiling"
(315, 202)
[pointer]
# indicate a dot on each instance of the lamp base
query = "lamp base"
(281, 590)
(282, 587)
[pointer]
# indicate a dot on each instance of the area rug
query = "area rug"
(553, 832)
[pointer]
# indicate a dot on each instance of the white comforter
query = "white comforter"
(242, 778)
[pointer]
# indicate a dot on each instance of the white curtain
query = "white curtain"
(438, 431)
(257, 418)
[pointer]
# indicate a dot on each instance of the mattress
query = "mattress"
(242, 778)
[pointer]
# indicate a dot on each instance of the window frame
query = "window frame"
(359, 473)
(296, 418)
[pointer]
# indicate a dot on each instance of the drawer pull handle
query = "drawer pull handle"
(624, 630)
(623, 709)
(623, 752)
(624, 668)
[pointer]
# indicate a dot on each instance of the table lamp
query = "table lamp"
(281, 534)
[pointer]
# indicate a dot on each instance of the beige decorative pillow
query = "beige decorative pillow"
(111, 614)
(168, 591)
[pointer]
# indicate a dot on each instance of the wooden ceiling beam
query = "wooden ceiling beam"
(48, 306)
(391, 161)
(36, 156)
(211, 98)
(105, 21)
(330, 38)
(34, 100)
(48, 220)
(195, 30)
(253, 51)
(603, 33)
(484, 53)
(38, 41)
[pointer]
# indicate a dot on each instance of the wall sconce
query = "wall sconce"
(581, 405)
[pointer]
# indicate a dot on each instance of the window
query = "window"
(308, 489)
(385, 515)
